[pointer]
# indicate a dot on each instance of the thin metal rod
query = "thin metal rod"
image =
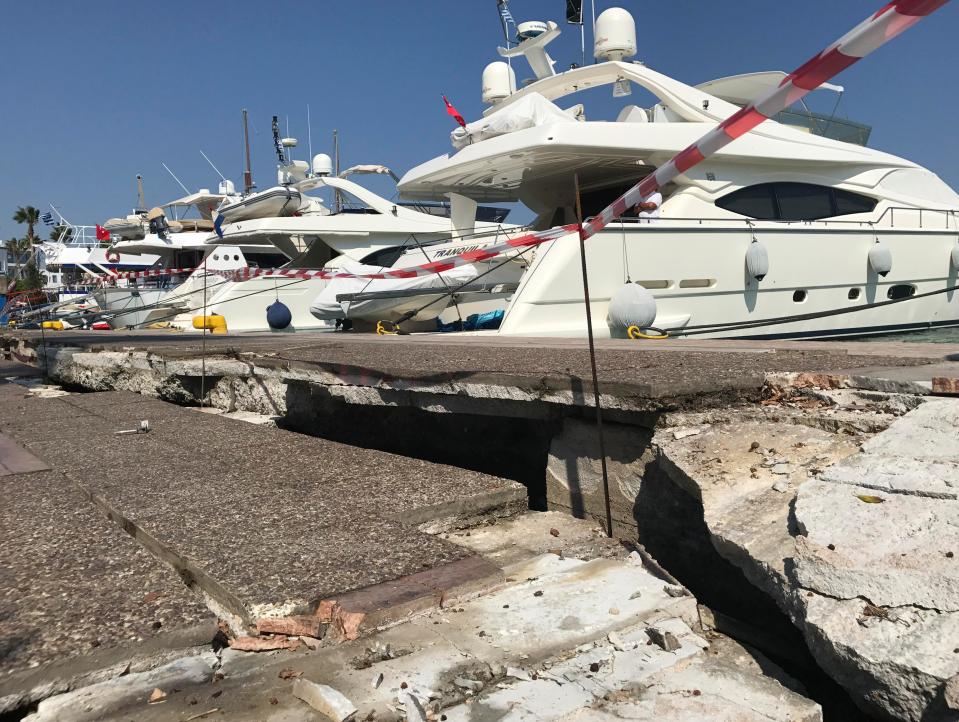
(222, 177)
(203, 341)
(309, 133)
(185, 189)
(248, 184)
(592, 361)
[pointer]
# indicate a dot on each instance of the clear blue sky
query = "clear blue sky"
(96, 92)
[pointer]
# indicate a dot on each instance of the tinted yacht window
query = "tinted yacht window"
(753, 201)
(794, 202)
(847, 203)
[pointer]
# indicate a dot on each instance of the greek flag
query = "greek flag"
(506, 18)
(48, 219)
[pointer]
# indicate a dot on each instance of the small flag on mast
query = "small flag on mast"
(102, 233)
(48, 219)
(450, 110)
(574, 12)
(506, 18)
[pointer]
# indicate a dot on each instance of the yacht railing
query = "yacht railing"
(932, 219)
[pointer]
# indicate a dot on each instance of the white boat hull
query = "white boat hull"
(697, 275)
(243, 304)
(133, 307)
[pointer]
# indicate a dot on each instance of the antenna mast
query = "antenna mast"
(338, 203)
(212, 166)
(248, 184)
(141, 204)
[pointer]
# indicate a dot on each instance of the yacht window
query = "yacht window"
(803, 202)
(384, 258)
(847, 203)
(752, 201)
(794, 202)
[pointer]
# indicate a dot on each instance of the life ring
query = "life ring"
(635, 332)
(113, 256)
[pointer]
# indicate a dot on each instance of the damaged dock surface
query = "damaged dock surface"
(374, 523)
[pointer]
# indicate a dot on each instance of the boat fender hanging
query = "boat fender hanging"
(757, 260)
(631, 305)
(113, 256)
(880, 258)
(955, 256)
(278, 315)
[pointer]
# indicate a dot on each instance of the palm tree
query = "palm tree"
(30, 216)
(16, 248)
(61, 230)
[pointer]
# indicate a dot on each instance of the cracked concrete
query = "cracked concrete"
(859, 548)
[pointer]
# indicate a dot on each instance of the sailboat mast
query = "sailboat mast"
(248, 184)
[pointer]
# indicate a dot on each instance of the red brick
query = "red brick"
(303, 624)
(945, 386)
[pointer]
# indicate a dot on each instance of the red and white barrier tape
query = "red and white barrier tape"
(866, 37)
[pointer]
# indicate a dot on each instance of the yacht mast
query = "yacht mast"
(248, 184)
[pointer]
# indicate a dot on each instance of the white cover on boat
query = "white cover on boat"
(327, 308)
(528, 112)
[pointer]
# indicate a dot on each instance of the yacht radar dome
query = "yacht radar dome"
(288, 142)
(530, 29)
(227, 188)
(322, 164)
(499, 82)
(615, 35)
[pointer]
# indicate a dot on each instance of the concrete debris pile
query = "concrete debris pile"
(847, 518)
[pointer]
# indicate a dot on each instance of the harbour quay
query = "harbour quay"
(346, 525)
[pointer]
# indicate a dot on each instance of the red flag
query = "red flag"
(450, 110)
(102, 233)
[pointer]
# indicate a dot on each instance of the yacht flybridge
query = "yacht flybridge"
(797, 218)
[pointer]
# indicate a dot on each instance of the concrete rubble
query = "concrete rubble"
(860, 552)
(492, 656)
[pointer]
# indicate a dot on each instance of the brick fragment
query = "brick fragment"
(295, 625)
(945, 386)
(263, 644)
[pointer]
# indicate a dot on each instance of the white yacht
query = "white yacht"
(839, 225)
(186, 270)
(363, 230)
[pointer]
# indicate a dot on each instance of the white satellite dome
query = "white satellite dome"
(499, 82)
(322, 164)
(615, 35)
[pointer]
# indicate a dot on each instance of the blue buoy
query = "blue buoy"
(278, 315)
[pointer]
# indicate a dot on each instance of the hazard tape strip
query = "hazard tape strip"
(878, 29)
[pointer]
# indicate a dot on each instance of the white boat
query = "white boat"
(368, 230)
(175, 291)
(842, 226)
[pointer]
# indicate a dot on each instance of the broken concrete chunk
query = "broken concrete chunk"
(157, 695)
(674, 590)
(517, 673)
(683, 433)
(324, 699)
(781, 486)
(664, 640)
(473, 685)
(415, 712)
(377, 680)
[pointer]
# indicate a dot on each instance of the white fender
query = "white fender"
(757, 260)
(631, 305)
(880, 258)
(955, 256)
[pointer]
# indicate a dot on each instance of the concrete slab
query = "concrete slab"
(266, 522)
(74, 585)
(14, 459)
(658, 370)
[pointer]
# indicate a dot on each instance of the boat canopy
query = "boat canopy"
(743, 89)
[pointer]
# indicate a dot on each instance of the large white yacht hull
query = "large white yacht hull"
(697, 274)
